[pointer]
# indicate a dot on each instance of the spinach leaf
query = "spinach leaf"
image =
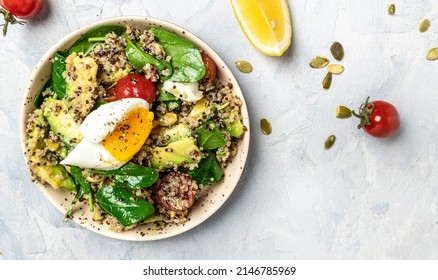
(39, 98)
(88, 41)
(208, 172)
(132, 176)
(79, 194)
(126, 207)
(140, 58)
(165, 96)
(187, 62)
(59, 83)
(209, 136)
(79, 178)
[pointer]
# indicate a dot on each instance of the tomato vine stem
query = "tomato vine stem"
(9, 18)
(365, 110)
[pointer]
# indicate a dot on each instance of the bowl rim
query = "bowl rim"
(243, 147)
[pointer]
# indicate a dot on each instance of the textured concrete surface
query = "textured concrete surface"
(365, 198)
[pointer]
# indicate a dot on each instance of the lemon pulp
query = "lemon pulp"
(266, 24)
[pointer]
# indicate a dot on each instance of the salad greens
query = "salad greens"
(39, 98)
(80, 181)
(59, 83)
(90, 39)
(140, 58)
(79, 193)
(126, 207)
(209, 136)
(208, 172)
(186, 58)
(132, 176)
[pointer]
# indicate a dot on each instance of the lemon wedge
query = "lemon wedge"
(266, 24)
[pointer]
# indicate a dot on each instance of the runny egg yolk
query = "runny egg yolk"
(129, 134)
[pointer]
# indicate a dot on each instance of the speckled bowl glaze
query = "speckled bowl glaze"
(211, 199)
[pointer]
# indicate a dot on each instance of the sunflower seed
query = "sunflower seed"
(343, 112)
(432, 54)
(335, 69)
(424, 25)
(244, 66)
(327, 81)
(337, 50)
(319, 62)
(391, 9)
(265, 126)
(329, 142)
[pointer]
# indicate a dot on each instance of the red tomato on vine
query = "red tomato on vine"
(378, 118)
(22, 9)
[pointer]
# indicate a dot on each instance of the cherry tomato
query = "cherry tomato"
(211, 67)
(176, 191)
(135, 85)
(24, 9)
(379, 118)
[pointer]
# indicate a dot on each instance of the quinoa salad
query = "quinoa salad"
(135, 124)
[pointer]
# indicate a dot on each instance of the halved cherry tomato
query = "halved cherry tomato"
(135, 85)
(211, 67)
(378, 118)
(24, 9)
(176, 191)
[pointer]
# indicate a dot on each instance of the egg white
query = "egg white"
(92, 155)
(184, 91)
(90, 152)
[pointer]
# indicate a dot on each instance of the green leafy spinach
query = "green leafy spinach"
(139, 58)
(90, 39)
(132, 176)
(59, 83)
(39, 98)
(209, 136)
(79, 194)
(80, 180)
(187, 62)
(120, 203)
(208, 172)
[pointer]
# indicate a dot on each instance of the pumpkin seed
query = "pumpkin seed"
(337, 50)
(327, 81)
(329, 142)
(424, 25)
(432, 54)
(335, 69)
(244, 66)
(343, 112)
(265, 126)
(391, 9)
(319, 62)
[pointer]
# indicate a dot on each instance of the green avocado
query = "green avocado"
(235, 127)
(56, 176)
(61, 121)
(179, 152)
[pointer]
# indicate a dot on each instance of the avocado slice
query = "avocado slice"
(179, 152)
(61, 121)
(235, 125)
(56, 176)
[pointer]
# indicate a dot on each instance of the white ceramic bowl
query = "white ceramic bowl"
(211, 199)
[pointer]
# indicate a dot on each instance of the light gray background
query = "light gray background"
(365, 198)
